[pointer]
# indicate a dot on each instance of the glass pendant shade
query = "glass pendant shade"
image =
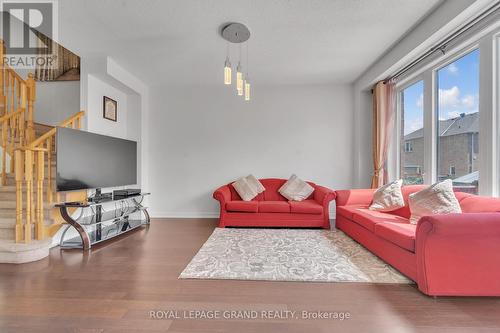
(239, 80)
(227, 72)
(247, 90)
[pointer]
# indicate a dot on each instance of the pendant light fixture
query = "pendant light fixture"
(236, 33)
(227, 68)
(239, 77)
(247, 90)
(247, 80)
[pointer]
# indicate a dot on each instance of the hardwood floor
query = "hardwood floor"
(115, 286)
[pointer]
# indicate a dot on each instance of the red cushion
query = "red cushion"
(401, 234)
(306, 207)
(348, 211)
(272, 185)
(368, 218)
(478, 204)
(242, 206)
(274, 207)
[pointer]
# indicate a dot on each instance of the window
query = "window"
(412, 133)
(452, 102)
(458, 122)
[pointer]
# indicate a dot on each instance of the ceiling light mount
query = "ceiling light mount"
(235, 33)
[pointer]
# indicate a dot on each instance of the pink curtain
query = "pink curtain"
(383, 123)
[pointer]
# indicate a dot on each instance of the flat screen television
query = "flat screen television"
(93, 161)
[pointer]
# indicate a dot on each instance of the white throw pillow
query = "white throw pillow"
(295, 189)
(435, 199)
(255, 183)
(246, 191)
(388, 197)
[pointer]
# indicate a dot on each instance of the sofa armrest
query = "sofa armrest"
(223, 195)
(323, 195)
(354, 197)
(459, 254)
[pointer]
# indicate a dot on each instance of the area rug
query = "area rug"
(287, 255)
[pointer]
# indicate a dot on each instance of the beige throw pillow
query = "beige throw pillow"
(255, 183)
(435, 199)
(295, 189)
(246, 191)
(388, 197)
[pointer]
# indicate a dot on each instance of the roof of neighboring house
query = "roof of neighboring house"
(468, 178)
(465, 123)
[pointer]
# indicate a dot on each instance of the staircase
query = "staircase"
(28, 219)
(8, 195)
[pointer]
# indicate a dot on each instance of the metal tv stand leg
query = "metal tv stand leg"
(81, 230)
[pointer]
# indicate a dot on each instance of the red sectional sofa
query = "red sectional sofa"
(454, 254)
(271, 209)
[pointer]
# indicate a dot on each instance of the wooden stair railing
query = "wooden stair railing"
(17, 99)
(29, 165)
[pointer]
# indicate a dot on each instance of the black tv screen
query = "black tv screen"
(89, 161)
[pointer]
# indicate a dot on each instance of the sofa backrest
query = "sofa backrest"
(272, 185)
(479, 204)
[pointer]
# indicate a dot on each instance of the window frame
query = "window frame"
(397, 138)
(488, 43)
(450, 172)
(408, 146)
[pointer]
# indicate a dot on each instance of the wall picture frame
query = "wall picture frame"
(109, 109)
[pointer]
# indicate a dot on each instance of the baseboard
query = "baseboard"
(194, 215)
(185, 215)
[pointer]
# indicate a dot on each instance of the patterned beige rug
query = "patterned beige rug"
(287, 255)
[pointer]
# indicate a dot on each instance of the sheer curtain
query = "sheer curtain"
(383, 123)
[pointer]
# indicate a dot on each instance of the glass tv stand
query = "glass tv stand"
(96, 224)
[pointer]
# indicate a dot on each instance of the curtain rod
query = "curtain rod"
(441, 46)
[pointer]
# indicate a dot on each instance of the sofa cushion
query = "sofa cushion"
(401, 234)
(274, 207)
(255, 183)
(295, 189)
(348, 211)
(235, 196)
(306, 207)
(409, 189)
(242, 206)
(245, 190)
(388, 197)
(368, 218)
(438, 198)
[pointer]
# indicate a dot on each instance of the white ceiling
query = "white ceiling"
(292, 42)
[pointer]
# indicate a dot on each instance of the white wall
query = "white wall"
(96, 123)
(56, 101)
(204, 137)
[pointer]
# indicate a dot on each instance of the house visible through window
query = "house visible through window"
(458, 122)
(412, 133)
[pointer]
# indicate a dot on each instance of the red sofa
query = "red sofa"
(271, 209)
(453, 254)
